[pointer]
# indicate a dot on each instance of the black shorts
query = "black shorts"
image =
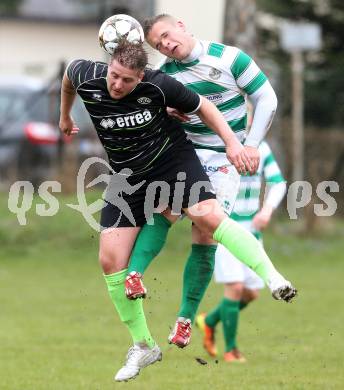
(178, 181)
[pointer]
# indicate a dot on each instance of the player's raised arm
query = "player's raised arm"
(73, 76)
(264, 103)
(68, 94)
(251, 80)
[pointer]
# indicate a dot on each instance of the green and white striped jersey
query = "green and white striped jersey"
(223, 74)
(247, 203)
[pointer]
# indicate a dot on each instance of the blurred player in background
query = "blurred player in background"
(241, 285)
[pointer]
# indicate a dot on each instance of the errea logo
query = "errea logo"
(106, 123)
(144, 100)
(127, 121)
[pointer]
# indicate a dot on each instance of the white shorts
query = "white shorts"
(223, 176)
(228, 269)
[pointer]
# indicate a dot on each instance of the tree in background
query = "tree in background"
(9, 7)
(324, 81)
(253, 25)
(240, 25)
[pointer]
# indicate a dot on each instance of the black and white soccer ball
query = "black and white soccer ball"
(118, 28)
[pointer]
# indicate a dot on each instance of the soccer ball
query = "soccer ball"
(117, 28)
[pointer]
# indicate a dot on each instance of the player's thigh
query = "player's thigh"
(197, 197)
(115, 247)
(223, 176)
(226, 182)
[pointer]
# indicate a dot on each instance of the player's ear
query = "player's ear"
(181, 25)
(141, 74)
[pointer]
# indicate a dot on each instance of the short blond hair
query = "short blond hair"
(130, 55)
(149, 23)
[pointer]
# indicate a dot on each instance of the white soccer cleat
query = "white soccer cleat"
(282, 289)
(139, 356)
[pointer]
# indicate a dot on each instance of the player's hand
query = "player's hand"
(238, 156)
(67, 126)
(254, 156)
(262, 219)
(177, 114)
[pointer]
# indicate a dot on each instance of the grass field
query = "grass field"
(58, 329)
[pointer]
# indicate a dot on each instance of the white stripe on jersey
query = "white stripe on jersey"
(209, 140)
(249, 74)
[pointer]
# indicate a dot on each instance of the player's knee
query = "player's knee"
(208, 224)
(104, 262)
(201, 238)
(207, 216)
(250, 295)
(234, 291)
(254, 295)
(169, 216)
(109, 263)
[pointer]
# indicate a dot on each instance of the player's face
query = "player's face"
(121, 80)
(171, 39)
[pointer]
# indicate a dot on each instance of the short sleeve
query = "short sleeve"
(176, 95)
(78, 71)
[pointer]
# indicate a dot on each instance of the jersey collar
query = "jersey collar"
(194, 55)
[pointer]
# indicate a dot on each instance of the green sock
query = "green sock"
(242, 305)
(214, 316)
(130, 311)
(149, 243)
(230, 319)
(197, 275)
(245, 247)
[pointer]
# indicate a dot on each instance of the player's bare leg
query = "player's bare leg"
(115, 248)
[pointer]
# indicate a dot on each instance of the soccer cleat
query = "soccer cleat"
(282, 289)
(285, 293)
(208, 335)
(139, 356)
(234, 356)
(181, 333)
(134, 287)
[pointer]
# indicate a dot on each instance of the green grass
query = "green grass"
(58, 329)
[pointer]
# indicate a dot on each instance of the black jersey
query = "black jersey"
(136, 130)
